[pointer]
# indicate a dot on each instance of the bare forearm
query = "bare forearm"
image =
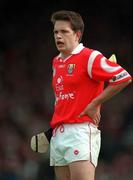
(109, 92)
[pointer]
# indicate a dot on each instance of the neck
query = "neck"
(64, 55)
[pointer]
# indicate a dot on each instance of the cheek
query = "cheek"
(70, 40)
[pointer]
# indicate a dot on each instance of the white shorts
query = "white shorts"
(75, 142)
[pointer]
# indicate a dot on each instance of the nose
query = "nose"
(57, 35)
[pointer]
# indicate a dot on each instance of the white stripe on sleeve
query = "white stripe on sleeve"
(106, 67)
(91, 60)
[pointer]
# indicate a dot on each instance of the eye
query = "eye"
(64, 31)
(55, 32)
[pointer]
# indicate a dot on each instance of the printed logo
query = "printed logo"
(59, 79)
(61, 65)
(70, 68)
(119, 76)
(59, 85)
(76, 152)
(65, 96)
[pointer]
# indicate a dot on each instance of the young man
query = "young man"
(79, 74)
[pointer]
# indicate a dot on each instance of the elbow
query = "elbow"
(129, 81)
(126, 83)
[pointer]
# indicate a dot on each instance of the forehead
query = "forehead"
(60, 24)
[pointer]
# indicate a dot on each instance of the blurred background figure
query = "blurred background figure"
(26, 97)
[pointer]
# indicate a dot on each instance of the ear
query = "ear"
(78, 35)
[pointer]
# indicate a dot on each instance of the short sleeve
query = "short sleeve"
(101, 69)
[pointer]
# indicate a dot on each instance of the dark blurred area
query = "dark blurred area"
(26, 96)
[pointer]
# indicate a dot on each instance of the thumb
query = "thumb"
(82, 114)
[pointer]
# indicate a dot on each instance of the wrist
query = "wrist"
(95, 103)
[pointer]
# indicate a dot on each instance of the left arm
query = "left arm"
(109, 92)
(93, 109)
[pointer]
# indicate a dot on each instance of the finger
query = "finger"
(96, 122)
(82, 114)
(97, 119)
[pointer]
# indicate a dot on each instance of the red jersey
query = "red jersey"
(78, 79)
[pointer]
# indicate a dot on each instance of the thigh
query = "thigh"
(62, 173)
(82, 170)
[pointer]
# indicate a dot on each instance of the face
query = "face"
(65, 38)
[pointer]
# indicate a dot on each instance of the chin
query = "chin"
(61, 49)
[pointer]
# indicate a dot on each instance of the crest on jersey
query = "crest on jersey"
(70, 68)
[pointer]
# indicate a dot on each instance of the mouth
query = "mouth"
(59, 43)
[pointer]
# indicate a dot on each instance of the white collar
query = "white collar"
(78, 49)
